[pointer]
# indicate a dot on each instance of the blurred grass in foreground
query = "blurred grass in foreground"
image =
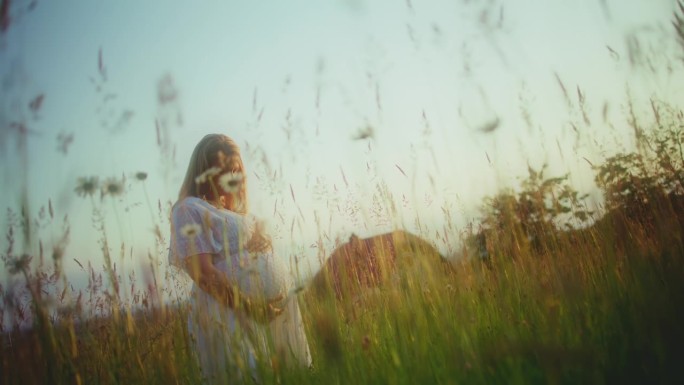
(530, 301)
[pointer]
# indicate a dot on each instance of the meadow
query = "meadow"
(544, 290)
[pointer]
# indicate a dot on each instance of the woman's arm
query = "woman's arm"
(210, 279)
(215, 283)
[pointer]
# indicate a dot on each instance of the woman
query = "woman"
(216, 242)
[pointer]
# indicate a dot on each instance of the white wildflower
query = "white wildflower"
(202, 178)
(86, 186)
(113, 187)
(191, 230)
(230, 182)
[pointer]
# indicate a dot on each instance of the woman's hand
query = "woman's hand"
(216, 284)
(264, 312)
(201, 269)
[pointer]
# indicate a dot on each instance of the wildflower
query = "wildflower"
(20, 264)
(230, 182)
(202, 178)
(140, 175)
(113, 187)
(191, 230)
(86, 186)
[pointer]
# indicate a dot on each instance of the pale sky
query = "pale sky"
(295, 82)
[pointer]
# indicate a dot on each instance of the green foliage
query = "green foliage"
(643, 188)
(562, 296)
(555, 303)
(530, 218)
(630, 181)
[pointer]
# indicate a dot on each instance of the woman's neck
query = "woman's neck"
(214, 202)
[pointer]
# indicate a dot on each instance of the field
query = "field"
(530, 300)
(548, 286)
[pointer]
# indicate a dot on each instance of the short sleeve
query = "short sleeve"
(197, 228)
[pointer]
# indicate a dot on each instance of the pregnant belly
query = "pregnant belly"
(259, 276)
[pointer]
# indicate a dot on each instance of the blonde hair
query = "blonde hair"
(220, 151)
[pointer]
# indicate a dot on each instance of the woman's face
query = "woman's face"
(229, 181)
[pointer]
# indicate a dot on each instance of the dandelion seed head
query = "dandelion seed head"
(191, 230)
(203, 177)
(113, 187)
(86, 186)
(230, 182)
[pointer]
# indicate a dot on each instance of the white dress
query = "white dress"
(229, 343)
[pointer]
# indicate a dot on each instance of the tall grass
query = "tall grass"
(531, 300)
(544, 291)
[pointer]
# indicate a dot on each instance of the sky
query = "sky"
(340, 108)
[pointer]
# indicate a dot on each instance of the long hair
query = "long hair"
(214, 152)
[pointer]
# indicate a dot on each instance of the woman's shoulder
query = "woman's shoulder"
(190, 202)
(195, 204)
(189, 206)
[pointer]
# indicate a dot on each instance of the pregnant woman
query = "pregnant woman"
(240, 308)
